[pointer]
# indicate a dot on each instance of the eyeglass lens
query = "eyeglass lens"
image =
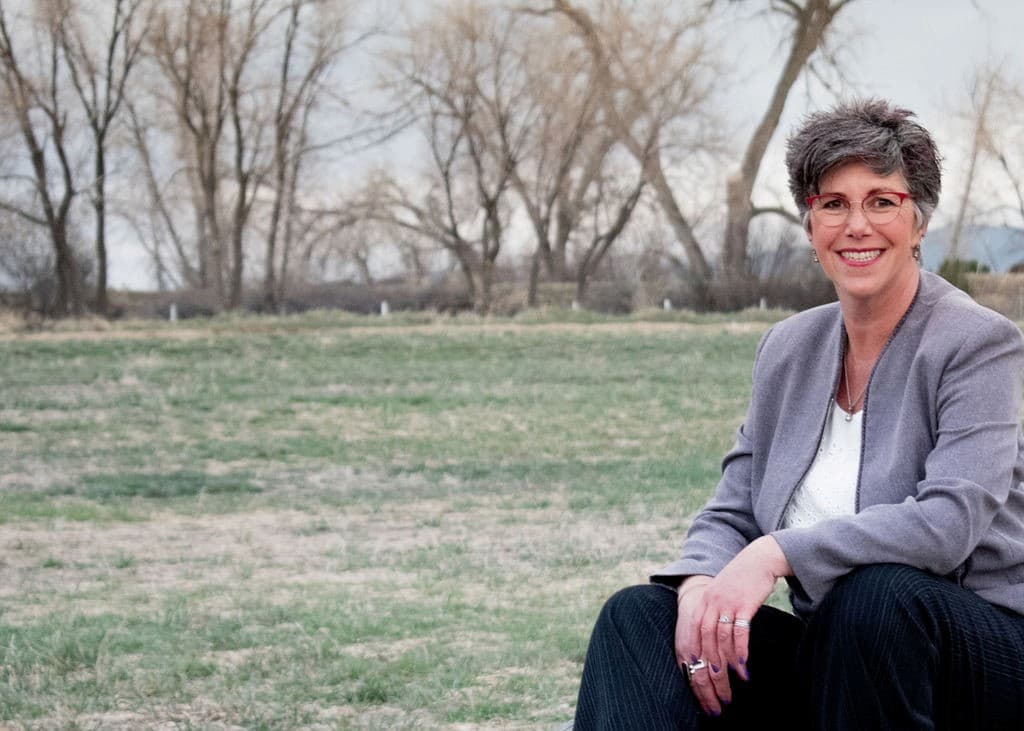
(879, 209)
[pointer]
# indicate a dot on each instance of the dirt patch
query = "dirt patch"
(369, 549)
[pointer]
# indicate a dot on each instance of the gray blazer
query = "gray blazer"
(942, 456)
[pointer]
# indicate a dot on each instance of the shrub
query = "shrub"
(955, 271)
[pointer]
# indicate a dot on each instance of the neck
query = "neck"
(870, 322)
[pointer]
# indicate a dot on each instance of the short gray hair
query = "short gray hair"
(874, 132)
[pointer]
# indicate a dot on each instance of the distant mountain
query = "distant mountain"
(998, 247)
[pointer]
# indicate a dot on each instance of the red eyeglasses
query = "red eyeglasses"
(879, 208)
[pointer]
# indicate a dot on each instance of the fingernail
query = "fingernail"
(693, 658)
(714, 668)
(743, 661)
(726, 702)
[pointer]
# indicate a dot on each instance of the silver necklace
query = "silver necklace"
(852, 404)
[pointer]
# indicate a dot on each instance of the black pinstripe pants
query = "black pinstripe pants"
(891, 647)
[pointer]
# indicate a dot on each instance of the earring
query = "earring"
(814, 256)
(916, 252)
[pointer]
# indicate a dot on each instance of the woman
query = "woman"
(879, 470)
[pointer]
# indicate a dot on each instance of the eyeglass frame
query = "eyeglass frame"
(901, 195)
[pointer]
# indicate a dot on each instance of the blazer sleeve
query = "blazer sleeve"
(725, 525)
(967, 475)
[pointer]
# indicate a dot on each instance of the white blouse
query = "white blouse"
(829, 488)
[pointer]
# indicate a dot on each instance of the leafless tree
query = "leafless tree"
(190, 47)
(248, 84)
(644, 88)
(248, 124)
(460, 72)
(206, 51)
(99, 61)
(510, 106)
(613, 206)
(157, 224)
(652, 70)
(32, 81)
(811, 21)
(1005, 140)
(303, 72)
(559, 176)
(983, 88)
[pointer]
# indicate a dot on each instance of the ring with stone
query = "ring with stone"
(725, 619)
(693, 667)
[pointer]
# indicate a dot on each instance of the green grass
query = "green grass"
(343, 522)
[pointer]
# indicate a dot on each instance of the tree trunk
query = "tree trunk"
(531, 293)
(485, 292)
(811, 22)
(582, 279)
(700, 270)
(269, 286)
(100, 205)
(69, 299)
(976, 144)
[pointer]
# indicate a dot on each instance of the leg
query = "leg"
(630, 677)
(631, 680)
(895, 647)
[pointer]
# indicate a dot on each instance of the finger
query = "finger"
(741, 643)
(725, 640)
(718, 670)
(686, 651)
(687, 639)
(704, 691)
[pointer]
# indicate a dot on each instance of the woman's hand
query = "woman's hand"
(706, 626)
(691, 606)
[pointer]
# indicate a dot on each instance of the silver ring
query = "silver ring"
(692, 667)
(744, 623)
(724, 619)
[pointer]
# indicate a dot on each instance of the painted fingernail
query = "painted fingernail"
(743, 661)
(693, 658)
(714, 668)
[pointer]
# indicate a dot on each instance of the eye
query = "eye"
(882, 201)
(832, 203)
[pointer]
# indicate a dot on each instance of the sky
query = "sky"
(919, 53)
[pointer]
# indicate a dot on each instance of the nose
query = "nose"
(856, 221)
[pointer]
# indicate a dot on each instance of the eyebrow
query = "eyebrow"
(873, 191)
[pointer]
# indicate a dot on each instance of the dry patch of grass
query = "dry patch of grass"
(317, 524)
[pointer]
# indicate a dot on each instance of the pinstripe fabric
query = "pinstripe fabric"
(891, 647)
(631, 681)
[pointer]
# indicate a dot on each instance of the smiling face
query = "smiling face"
(867, 263)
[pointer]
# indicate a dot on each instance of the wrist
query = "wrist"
(775, 559)
(691, 583)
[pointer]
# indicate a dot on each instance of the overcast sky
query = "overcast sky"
(918, 53)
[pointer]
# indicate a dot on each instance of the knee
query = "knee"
(870, 601)
(624, 607)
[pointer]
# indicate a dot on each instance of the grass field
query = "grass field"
(329, 522)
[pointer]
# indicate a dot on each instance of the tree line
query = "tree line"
(219, 136)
